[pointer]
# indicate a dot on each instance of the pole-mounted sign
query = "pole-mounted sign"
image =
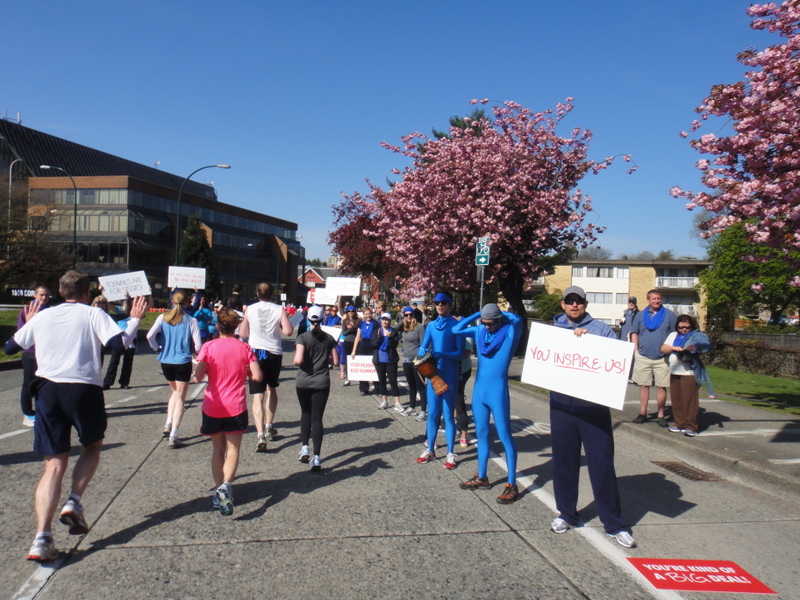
(482, 251)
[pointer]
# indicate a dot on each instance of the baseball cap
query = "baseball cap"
(315, 314)
(386, 316)
(574, 289)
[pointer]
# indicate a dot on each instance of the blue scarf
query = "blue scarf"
(385, 343)
(367, 329)
(681, 338)
(442, 322)
(654, 321)
(489, 343)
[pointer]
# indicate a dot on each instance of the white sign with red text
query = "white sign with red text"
(361, 368)
(186, 277)
(589, 367)
(116, 286)
(343, 286)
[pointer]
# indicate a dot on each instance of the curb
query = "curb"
(10, 365)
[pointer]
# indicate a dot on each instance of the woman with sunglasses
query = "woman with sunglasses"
(385, 340)
(686, 371)
(350, 325)
(413, 332)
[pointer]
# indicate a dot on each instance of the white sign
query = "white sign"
(343, 286)
(296, 319)
(361, 368)
(186, 277)
(115, 286)
(334, 332)
(589, 367)
(321, 296)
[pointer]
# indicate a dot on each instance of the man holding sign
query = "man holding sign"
(574, 422)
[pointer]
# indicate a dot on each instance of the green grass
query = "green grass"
(773, 393)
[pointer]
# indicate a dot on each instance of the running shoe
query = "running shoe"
(215, 502)
(662, 422)
(174, 443)
(640, 419)
(261, 445)
(72, 516)
(408, 412)
(346, 382)
(464, 442)
(383, 405)
(305, 455)
(316, 463)
(166, 431)
(510, 494)
(399, 408)
(475, 483)
(624, 539)
(422, 417)
(43, 550)
(272, 434)
(689, 433)
(559, 525)
(450, 461)
(225, 495)
(675, 429)
(426, 457)
(28, 420)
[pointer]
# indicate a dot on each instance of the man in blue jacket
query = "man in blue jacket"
(574, 422)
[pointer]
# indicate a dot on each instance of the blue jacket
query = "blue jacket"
(570, 403)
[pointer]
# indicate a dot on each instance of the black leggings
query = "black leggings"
(415, 386)
(461, 401)
(387, 370)
(312, 407)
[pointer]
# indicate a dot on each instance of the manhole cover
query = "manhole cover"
(685, 471)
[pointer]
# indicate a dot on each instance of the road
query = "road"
(373, 523)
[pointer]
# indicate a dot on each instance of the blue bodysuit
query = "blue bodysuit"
(490, 392)
(448, 350)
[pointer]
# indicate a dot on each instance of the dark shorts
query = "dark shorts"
(62, 406)
(271, 368)
(215, 425)
(181, 373)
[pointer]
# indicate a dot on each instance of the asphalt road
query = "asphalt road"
(374, 524)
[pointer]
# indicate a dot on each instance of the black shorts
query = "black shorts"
(271, 368)
(181, 373)
(215, 425)
(62, 406)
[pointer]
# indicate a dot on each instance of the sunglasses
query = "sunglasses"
(442, 302)
(578, 301)
(488, 323)
(684, 326)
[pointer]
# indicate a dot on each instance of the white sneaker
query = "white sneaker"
(409, 412)
(624, 539)
(43, 550)
(305, 455)
(383, 405)
(398, 407)
(316, 463)
(28, 421)
(346, 382)
(450, 461)
(422, 417)
(559, 525)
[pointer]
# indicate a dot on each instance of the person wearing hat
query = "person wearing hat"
(313, 352)
(627, 318)
(413, 331)
(385, 358)
(448, 350)
(350, 324)
(496, 340)
(573, 422)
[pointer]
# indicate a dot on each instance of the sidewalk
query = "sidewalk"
(757, 448)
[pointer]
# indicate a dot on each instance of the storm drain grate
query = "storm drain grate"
(685, 471)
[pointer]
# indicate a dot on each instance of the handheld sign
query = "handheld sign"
(115, 286)
(589, 367)
(343, 286)
(361, 368)
(186, 277)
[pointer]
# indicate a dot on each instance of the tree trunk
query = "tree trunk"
(512, 286)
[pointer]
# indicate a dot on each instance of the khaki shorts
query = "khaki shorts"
(648, 371)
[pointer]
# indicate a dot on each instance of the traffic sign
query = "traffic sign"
(482, 251)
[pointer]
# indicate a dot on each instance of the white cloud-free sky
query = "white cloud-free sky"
(297, 97)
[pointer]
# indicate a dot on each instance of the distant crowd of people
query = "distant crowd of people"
(237, 347)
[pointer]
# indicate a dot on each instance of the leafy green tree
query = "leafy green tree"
(735, 283)
(195, 251)
(549, 305)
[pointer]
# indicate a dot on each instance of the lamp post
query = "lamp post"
(236, 259)
(74, 212)
(180, 192)
(8, 233)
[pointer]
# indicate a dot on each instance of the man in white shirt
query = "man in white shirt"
(69, 339)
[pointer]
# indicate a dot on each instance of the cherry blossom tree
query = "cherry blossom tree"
(754, 174)
(509, 176)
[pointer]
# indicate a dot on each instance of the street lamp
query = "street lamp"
(236, 258)
(74, 212)
(8, 233)
(180, 191)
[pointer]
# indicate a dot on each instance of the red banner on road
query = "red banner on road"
(699, 576)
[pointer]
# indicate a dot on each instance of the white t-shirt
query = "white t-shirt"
(69, 338)
(264, 319)
(676, 365)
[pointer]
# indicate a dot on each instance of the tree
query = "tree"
(549, 305)
(594, 253)
(755, 172)
(512, 179)
(195, 251)
(734, 285)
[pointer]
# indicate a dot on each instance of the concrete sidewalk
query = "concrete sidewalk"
(755, 447)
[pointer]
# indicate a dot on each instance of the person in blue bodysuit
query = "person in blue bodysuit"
(496, 340)
(448, 350)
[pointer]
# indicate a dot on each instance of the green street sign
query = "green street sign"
(482, 251)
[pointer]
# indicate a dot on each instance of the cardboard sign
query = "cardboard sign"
(699, 576)
(361, 368)
(115, 286)
(343, 286)
(321, 296)
(334, 332)
(186, 277)
(589, 367)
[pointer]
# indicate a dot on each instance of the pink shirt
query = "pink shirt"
(228, 362)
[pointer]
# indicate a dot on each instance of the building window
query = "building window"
(600, 272)
(577, 271)
(600, 297)
(622, 298)
(622, 272)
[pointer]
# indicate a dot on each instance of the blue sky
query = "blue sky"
(297, 97)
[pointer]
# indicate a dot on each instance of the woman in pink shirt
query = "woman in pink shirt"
(227, 361)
